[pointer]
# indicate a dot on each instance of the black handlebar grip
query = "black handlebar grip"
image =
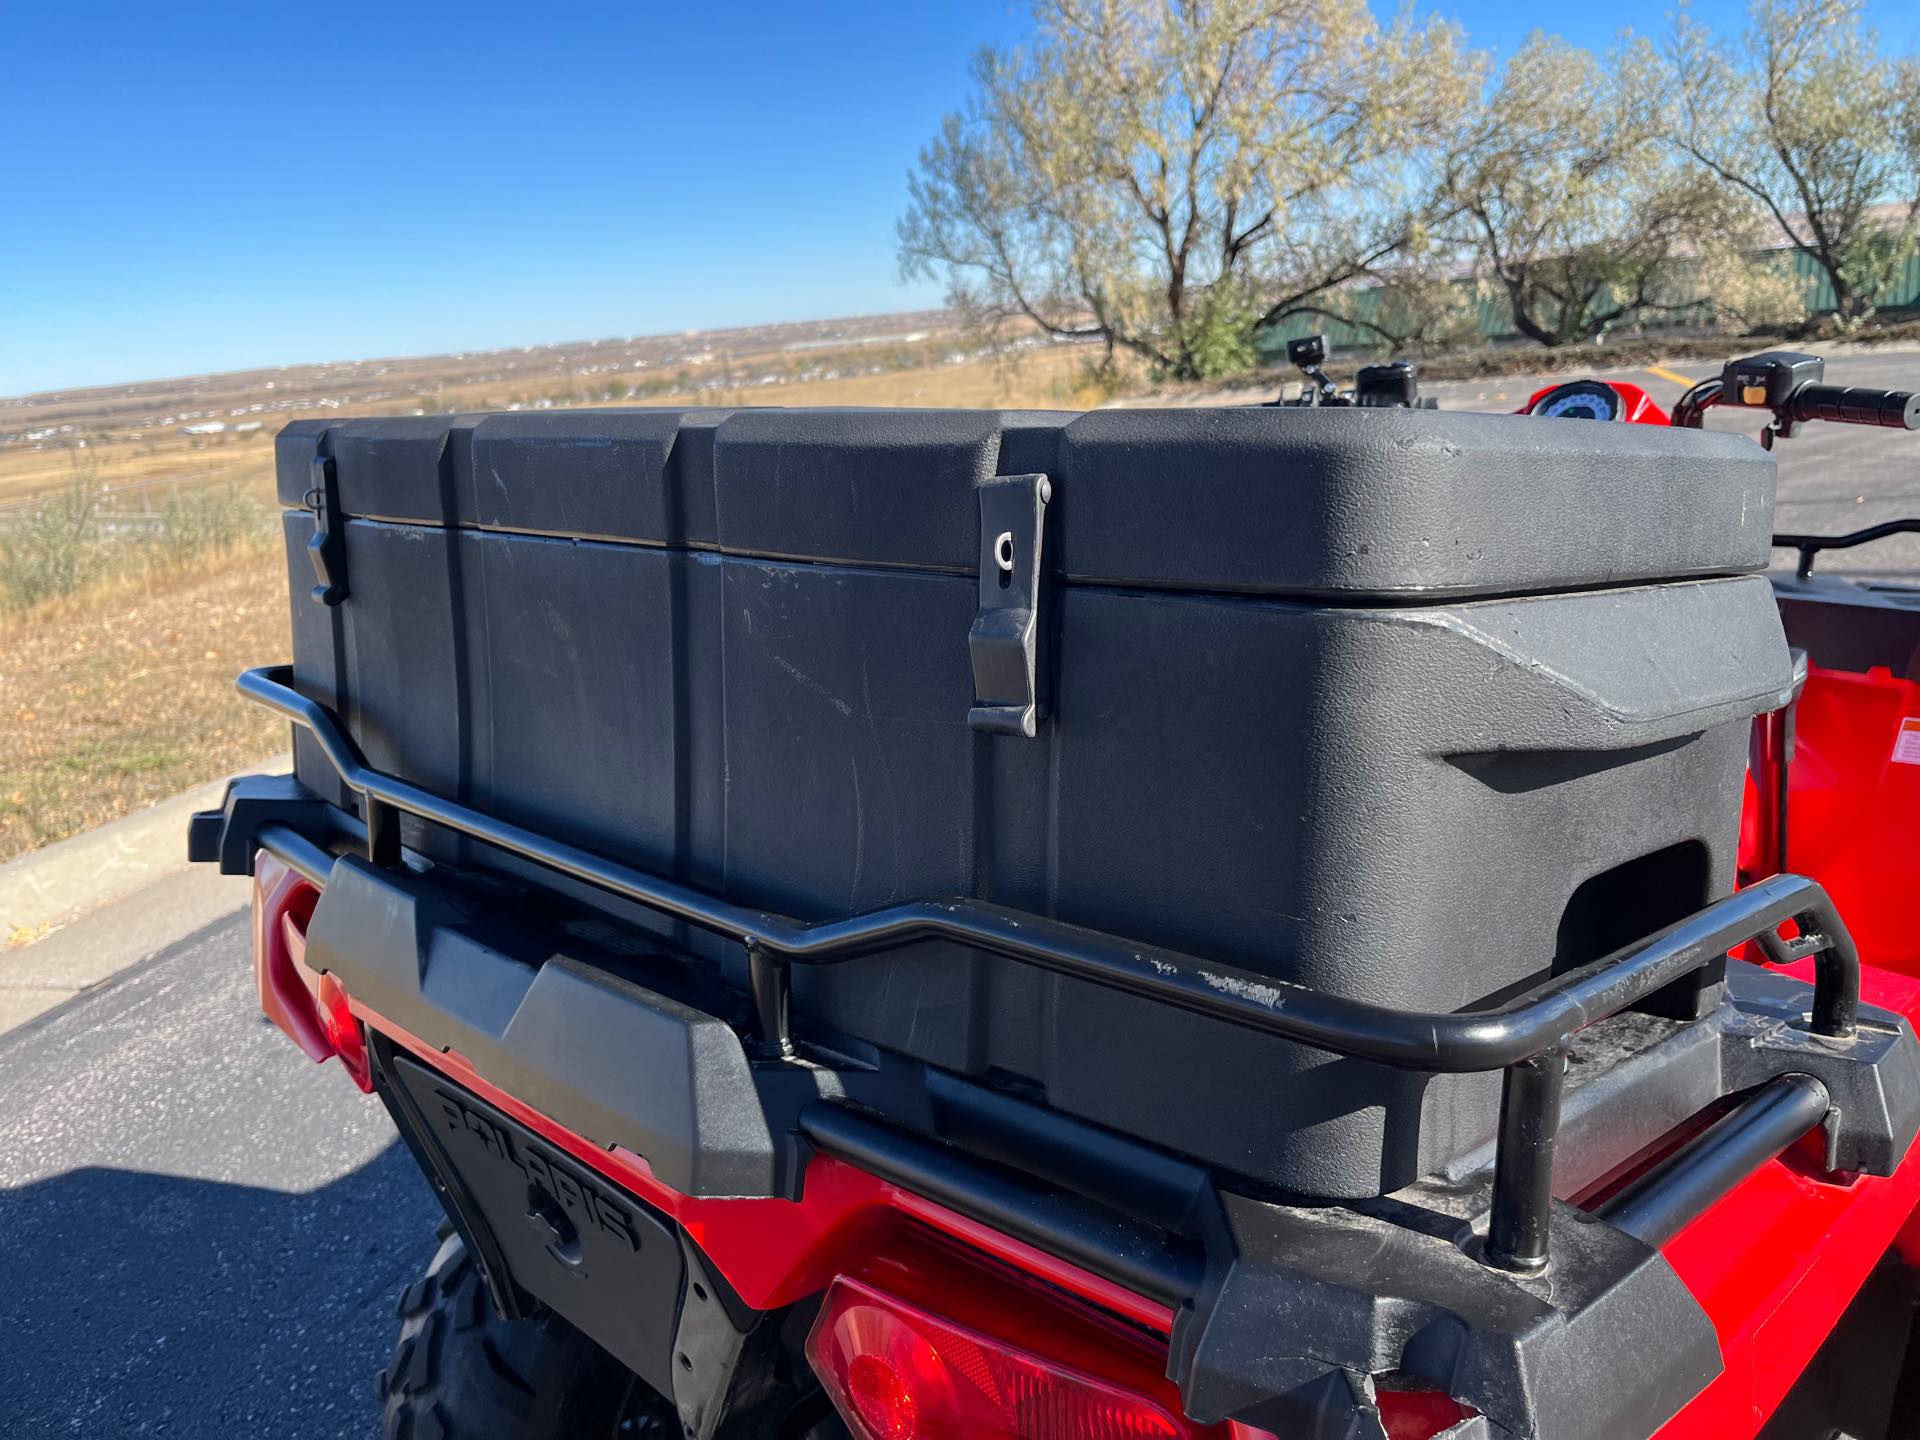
(1853, 405)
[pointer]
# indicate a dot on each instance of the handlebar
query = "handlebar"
(1855, 405)
(1791, 387)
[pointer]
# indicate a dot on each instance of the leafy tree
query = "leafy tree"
(1164, 175)
(1805, 116)
(1579, 217)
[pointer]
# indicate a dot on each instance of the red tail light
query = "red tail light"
(349, 1041)
(1419, 1414)
(311, 1009)
(932, 1343)
(931, 1348)
(897, 1372)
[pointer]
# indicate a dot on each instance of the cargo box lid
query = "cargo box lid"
(1363, 504)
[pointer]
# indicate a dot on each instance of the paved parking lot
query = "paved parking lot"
(201, 1234)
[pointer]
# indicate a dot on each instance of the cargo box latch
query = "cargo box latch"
(327, 546)
(1004, 640)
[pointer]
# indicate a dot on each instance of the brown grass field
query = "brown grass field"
(121, 693)
(119, 697)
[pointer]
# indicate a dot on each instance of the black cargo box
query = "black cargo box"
(1409, 706)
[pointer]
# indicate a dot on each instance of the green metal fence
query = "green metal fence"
(1903, 294)
(1493, 318)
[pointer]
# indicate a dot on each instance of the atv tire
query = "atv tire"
(460, 1372)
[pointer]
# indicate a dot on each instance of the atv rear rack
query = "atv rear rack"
(1528, 1038)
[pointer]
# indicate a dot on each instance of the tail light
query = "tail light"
(1419, 1414)
(1045, 1370)
(932, 1343)
(349, 1041)
(312, 1010)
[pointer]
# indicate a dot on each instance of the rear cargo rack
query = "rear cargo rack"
(1528, 1038)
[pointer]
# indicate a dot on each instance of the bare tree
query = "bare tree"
(1808, 118)
(1164, 175)
(1580, 218)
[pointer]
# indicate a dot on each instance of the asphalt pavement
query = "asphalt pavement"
(201, 1232)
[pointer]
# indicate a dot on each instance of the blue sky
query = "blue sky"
(222, 185)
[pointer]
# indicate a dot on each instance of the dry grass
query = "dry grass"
(123, 694)
(1051, 378)
(134, 435)
(245, 460)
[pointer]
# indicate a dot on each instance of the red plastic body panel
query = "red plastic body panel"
(1777, 1261)
(1853, 807)
(312, 1010)
(283, 902)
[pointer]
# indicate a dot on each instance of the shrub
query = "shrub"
(51, 550)
(209, 518)
(65, 543)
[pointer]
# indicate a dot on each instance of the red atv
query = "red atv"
(1143, 924)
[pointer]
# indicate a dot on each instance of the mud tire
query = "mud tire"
(460, 1372)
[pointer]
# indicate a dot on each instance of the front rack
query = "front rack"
(1527, 1038)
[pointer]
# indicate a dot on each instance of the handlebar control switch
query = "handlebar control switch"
(1767, 381)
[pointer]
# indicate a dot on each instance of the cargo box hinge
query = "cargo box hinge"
(327, 547)
(1004, 641)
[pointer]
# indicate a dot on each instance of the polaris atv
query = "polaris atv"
(1167, 924)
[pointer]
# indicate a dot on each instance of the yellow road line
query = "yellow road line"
(1673, 375)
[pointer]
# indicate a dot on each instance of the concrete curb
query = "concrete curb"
(78, 912)
(53, 886)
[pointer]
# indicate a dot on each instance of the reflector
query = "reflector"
(880, 1398)
(1419, 1414)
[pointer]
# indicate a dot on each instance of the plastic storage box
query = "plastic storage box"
(1411, 706)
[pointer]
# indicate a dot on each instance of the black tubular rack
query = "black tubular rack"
(1528, 1038)
(1811, 545)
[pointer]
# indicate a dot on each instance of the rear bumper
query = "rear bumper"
(782, 1173)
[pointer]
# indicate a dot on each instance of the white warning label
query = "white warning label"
(1906, 745)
